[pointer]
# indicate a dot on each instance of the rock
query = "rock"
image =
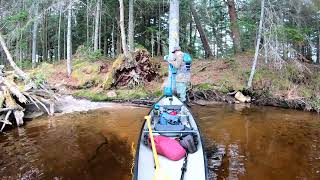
(112, 94)
(31, 111)
(33, 115)
(242, 98)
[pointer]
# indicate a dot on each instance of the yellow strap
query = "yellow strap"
(159, 173)
(154, 150)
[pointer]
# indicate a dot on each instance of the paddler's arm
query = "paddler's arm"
(177, 63)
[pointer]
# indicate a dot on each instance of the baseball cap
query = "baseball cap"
(176, 48)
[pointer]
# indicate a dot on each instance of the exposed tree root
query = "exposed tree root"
(209, 95)
(132, 73)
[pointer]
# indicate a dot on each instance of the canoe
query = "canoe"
(196, 166)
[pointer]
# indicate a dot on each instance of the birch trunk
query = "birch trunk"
(131, 26)
(203, 36)
(64, 42)
(105, 40)
(112, 42)
(253, 69)
(152, 44)
(19, 72)
(88, 36)
(34, 37)
(159, 34)
(59, 36)
(69, 45)
(318, 48)
(96, 27)
(122, 30)
(173, 25)
(100, 25)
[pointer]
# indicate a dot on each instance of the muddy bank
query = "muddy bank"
(207, 97)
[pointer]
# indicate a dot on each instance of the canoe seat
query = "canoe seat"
(172, 107)
(160, 127)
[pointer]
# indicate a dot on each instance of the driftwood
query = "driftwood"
(13, 100)
(14, 96)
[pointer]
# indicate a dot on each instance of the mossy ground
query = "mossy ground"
(224, 75)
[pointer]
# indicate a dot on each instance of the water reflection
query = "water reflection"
(263, 142)
(242, 142)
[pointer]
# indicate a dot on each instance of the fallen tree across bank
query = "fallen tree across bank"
(17, 90)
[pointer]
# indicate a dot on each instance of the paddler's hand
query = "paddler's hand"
(170, 61)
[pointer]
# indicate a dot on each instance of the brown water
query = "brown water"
(242, 143)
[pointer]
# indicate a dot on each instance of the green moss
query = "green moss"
(133, 94)
(25, 64)
(41, 74)
(315, 103)
(231, 61)
(93, 96)
(157, 93)
(107, 84)
(204, 86)
(86, 53)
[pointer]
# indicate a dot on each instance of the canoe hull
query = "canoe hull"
(197, 162)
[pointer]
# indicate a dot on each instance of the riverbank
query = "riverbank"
(295, 87)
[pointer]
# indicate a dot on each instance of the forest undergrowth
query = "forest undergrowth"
(290, 87)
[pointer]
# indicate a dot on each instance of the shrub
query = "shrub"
(86, 53)
(25, 64)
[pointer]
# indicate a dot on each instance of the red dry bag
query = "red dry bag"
(168, 147)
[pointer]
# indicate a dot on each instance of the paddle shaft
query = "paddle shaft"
(153, 146)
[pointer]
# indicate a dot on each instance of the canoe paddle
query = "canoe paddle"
(159, 173)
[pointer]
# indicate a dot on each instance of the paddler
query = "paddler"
(183, 74)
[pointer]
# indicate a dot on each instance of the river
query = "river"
(242, 143)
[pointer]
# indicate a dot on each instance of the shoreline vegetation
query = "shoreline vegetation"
(212, 81)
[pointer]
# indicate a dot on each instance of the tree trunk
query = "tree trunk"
(69, 45)
(131, 26)
(159, 34)
(34, 36)
(318, 47)
(88, 33)
(152, 44)
(96, 27)
(234, 26)
(64, 41)
(100, 25)
(19, 72)
(173, 25)
(45, 37)
(59, 35)
(204, 38)
(118, 43)
(20, 50)
(253, 69)
(112, 42)
(190, 34)
(105, 39)
(122, 30)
